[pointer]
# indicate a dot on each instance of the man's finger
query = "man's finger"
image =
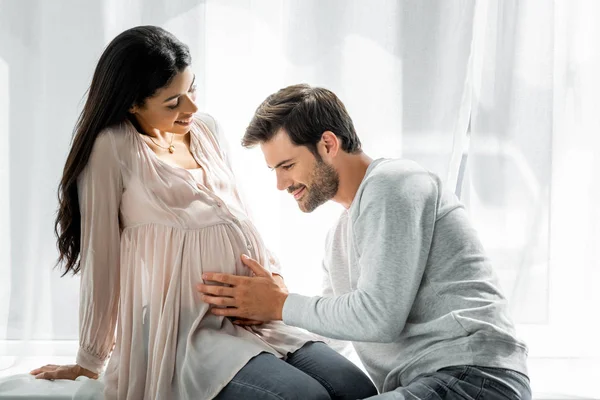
(215, 290)
(247, 322)
(221, 278)
(255, 266)
(228, 312)
(218, 301)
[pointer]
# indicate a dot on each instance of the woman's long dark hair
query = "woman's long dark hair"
(132, 68)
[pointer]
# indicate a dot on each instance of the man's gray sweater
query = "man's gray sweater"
(410, 284)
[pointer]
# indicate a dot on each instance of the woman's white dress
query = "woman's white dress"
(149, 231)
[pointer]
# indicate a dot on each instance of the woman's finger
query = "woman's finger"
(57, 373)
(45, 368)
(44, 375)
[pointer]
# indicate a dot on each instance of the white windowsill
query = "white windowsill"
(551, 378)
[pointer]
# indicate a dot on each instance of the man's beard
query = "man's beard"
(324, 185)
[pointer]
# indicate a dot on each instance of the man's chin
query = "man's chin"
(307, 210)
(302, 207)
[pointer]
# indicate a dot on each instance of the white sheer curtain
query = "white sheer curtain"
(532, 165)
(498, 97)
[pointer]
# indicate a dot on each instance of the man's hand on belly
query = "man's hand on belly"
(245, 321)
(251, 322)
(279, 279)
(258, 298)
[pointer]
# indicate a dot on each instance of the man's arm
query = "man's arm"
(343, 347)
(392, 236)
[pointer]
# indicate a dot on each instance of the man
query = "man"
(409, 283)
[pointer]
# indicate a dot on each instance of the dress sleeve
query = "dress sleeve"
(99, 188)
(224, 148)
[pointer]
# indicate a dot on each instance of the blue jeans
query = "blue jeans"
(313, 372)
(464, 383)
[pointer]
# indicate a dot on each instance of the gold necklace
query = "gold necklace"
(171, 148)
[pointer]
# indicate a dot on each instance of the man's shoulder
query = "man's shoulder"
(397, 178)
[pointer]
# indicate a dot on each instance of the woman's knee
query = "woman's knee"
(342, 378)
(236, 390)
(356, 384)
(310, 389)
(267, 377)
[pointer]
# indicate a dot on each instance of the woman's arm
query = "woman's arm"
(99, 189)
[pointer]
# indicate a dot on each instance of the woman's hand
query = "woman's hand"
(71, 372)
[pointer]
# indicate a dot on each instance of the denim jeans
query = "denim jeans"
(313, 372)
(464, 383)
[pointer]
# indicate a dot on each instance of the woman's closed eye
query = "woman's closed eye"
(192, 92)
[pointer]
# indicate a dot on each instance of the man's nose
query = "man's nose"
(282, 181)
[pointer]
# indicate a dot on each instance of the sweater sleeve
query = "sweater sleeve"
(392, 234)
(341, 346)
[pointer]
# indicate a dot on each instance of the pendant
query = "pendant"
(171, 149)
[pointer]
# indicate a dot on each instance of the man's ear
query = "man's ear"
(330, 144)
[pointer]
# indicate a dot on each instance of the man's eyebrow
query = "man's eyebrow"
(178, 95)
(281, 163)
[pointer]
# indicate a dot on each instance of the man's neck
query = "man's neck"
(352, 169)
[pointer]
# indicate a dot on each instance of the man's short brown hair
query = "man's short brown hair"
(304, 112)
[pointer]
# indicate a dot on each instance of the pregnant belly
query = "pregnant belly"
(216, 249)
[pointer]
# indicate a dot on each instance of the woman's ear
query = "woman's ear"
(133, 109)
